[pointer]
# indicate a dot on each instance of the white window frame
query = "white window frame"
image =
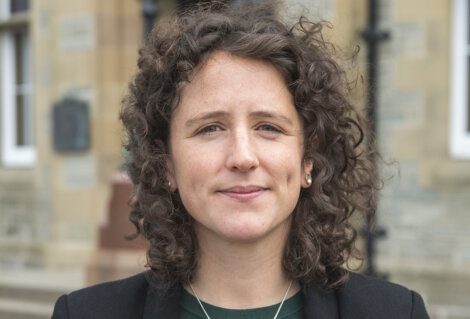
(459, 134)
(12, 155)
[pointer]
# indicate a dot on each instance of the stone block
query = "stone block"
(78, 172)
(408, 40)
(73, 231)
(405, 109)
(386, 12)
(106, 265)
(314, 9)
(386, 76)
(427, 9)
(77, 32)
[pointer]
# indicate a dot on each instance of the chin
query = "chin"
(251, 233)
(245, 236)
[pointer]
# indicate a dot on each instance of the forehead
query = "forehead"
(217, 64)
(224, 80)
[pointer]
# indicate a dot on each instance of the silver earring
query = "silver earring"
(308, 179)
(169, 184)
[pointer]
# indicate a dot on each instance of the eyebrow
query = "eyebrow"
(272, 115)
(206, 116)
(222, 114)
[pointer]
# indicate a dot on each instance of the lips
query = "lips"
(243, 193)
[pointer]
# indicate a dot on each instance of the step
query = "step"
(19, 309)
(34, 294)
(31, 294)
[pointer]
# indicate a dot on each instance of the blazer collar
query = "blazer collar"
(318, 303)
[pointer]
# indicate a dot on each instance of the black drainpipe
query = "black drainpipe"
(372, 37)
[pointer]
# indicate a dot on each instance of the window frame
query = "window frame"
(13, 155)
(460, 104)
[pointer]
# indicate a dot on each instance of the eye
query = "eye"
(206, 130)
(269, 128)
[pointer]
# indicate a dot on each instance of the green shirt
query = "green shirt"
(190, 309)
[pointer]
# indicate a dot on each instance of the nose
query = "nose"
(242, 155)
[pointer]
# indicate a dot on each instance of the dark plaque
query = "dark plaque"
(71, 125)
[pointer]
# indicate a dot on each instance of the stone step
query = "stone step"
(32, 294)
(19, 309)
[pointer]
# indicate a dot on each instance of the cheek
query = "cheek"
(285, 163)
(194, 168)
(191, 178)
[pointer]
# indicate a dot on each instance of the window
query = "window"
(17, 130)
(460, 88)
(17, 6)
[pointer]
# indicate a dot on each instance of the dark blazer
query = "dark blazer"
(360, 298)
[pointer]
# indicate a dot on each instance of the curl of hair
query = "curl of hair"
(344, 176)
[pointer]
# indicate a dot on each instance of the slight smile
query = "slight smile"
(243, 193)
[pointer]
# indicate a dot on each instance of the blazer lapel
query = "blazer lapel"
(319, 303)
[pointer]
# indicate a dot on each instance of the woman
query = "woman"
(248, 162)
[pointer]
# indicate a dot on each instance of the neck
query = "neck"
(241, 275)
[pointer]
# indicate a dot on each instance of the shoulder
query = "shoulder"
(118, 299)
(369, 297)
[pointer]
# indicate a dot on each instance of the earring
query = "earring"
(169, 184)
(308, 179)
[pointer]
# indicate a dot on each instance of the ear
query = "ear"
(307, 169)
(170, 175)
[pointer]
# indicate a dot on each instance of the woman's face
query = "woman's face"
(236, 149)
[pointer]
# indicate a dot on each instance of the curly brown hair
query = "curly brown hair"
(344, 177)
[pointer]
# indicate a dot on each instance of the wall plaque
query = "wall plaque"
(71, 125)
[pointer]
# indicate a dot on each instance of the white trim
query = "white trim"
(459, 135)
(11, 154)
(4, 9)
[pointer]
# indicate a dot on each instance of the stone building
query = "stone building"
(55, 192)
(424, 120)
(56, 164)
